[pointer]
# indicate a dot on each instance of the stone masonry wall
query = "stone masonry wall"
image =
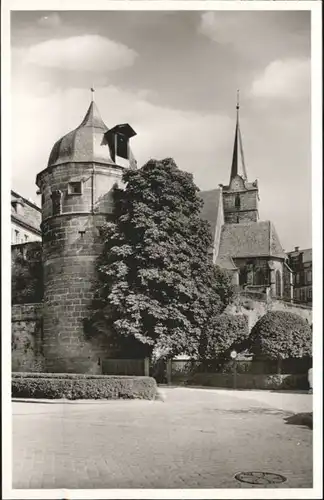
(67, 304)
(255, 309)
(26, 338)
(97, 184)
(247, 212)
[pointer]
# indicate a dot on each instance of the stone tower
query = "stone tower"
(240, 197)
(76, 191)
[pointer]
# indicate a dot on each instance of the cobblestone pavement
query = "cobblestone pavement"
(194, 439)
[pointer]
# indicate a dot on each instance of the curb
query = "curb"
(74, 401)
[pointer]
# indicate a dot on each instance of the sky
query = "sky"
(173, 76)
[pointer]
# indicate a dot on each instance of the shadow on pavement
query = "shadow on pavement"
(41, 401)
(300, 419)
(292, 391)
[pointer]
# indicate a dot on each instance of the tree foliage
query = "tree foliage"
(27, 274)
(157, 283)
(224, 333)
(281, 335)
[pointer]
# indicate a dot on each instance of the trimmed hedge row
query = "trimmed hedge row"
(74, 386)
(69, 375)
(250, 381)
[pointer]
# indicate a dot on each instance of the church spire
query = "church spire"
(238, 164)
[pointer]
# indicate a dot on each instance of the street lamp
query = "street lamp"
(234, 356)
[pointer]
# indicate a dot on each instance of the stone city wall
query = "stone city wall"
(26, 338)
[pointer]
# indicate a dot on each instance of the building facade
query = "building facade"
(301, 263)
(25, 220)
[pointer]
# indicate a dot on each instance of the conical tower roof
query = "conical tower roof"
(87, 143)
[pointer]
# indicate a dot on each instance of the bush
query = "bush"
(281, 335)
(250, 381)
(80, 386)
(225, 333)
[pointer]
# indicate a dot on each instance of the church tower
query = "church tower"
(76, 191)
(240, 197)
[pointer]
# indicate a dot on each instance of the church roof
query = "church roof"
(87, 143)
(244, 240)
(210, 208)
(226, 262)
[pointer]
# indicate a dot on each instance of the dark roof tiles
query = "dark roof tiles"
(253, 239)
(87, 143)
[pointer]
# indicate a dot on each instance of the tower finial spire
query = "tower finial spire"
(92, 90)
(238, 146)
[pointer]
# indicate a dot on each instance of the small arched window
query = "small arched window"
(237, 201)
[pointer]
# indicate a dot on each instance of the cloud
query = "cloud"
(49, 21)
(220, 27)
(283, 79)
(79, 53)
(191, 138)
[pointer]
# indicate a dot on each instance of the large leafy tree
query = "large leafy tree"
(280, 335)
(27, 274)
(157, 283)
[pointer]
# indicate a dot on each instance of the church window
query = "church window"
(259, 278)
(243, 276)
(17, 236)
(75, 187)
(26, 237)
(56, 202)
(278, 284)
(297, 278)
(237, 201)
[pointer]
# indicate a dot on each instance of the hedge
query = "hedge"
(250, 381)
(81, 386)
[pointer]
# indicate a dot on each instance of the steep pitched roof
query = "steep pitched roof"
(256, 239)
(212, 200)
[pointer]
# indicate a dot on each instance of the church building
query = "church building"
(249, 248)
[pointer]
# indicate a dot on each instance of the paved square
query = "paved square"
(196, 438)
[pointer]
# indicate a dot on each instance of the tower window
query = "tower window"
(56, 202)
(237, 201)
(75, 187)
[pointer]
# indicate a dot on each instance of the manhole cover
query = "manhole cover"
(262, 478)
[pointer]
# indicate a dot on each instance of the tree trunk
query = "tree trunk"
(279, 366)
